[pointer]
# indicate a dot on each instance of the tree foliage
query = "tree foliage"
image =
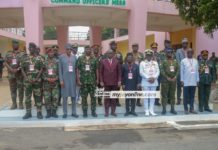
(50, 33)
(199, 13)
(107, 33)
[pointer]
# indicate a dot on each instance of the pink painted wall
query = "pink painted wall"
(95, 35)
(203, 41)
(33, 21)
(137, 24)
(62, 37)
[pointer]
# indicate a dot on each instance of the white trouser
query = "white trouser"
(149, 102)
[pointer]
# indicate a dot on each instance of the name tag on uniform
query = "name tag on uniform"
(32, 67)
(130, 75)
(206, 70)
(50, 71)
(87, 68)
(70, 68)
(172, 69)
(14, 61)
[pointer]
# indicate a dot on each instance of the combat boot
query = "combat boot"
(14, 106)
(164, 110)
(94, 114)
(48, 114)
(172, 111)
(39, 115)
(21, 105)
(27, 115)
(54, 114)
(85, 114)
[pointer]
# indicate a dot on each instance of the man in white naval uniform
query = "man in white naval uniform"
(149, 72)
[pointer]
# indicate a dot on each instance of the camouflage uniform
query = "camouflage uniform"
(99, 58)
(87, 68)
(162, 58)
(138, 57)
(51, 90)
(169, 69)
(13, 59)
(31, 66)
(206, 72)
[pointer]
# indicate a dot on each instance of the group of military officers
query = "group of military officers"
(52, 76)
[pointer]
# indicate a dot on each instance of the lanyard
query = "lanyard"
(130, 67)
(191, 62)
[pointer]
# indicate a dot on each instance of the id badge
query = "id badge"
(206, 70)
(14, 61)
(192, 70)
(70, 68)
(87, 67)
(50, 71)
(172, 69)
(32, 67)
(130, 76)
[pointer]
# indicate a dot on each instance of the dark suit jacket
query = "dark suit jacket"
(130, 84)
(110, 75)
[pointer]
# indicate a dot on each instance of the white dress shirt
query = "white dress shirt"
(189, 72)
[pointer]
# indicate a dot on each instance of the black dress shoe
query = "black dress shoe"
(65, 116)
(39, 115)
(27, 115)
(208, 110)
(126, 114)
(118, 105)
(173, 112)
(200, 109)
(134, 114)
(114, 114)
(157, 104)
(75, 115)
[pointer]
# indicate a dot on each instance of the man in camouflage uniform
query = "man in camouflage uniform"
(138, 57)
(12, 62)
(169, 71)
(206, 72)
(162, 56)
(118, 55)
(51, 84)
(96, 51)
(32, 67)
(56, 55)
(156, 57)
(87, 78)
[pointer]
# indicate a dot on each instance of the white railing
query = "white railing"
(17, 31)
(78, 35)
